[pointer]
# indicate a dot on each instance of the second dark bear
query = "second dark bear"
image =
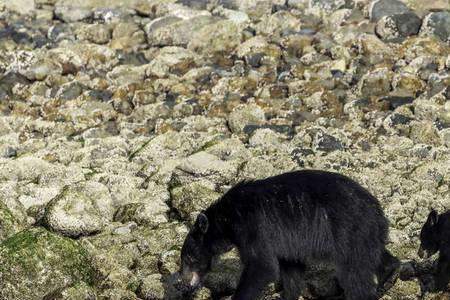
(290, 220)
(435, 237)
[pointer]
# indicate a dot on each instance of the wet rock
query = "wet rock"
(80, 209)
(437, 23)
(245, 115)
(397, 27)
(36, 263)
(380, 8)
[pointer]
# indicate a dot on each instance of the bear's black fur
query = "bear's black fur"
(434, 237)
(282, 223)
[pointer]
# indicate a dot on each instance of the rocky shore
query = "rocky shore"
(121, 120)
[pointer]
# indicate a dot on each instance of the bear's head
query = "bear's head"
(196, 255)
(429, 239)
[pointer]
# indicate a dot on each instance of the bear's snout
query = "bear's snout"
(191, 277)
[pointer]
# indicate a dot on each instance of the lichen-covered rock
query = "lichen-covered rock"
(152, 288)
(9, 223)
(172, 60)
(330, 5)
(437, 23)
(175, 31)
(245, 115)
(203, 165)
(216, 40)
(80, 209)
(80, 291)
(377, 82)
(396, 28)
(190, 198)
(381, 8)
(35, 264)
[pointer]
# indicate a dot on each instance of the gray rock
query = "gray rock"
(10, 152)
(437, 23)
(80, 209)
(396, 28)
(381, 8)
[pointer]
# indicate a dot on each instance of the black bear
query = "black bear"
(285, 222)
(435, 237)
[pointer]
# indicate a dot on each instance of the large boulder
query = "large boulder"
(80, 209)
(36, 264)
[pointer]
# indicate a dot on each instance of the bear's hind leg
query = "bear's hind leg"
(292, 280)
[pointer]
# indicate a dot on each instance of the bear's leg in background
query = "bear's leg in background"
(357, 282)
(259, 271)
(387, 272)
(442, 275)
(292, 280)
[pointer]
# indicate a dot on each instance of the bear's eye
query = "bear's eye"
(190, 259)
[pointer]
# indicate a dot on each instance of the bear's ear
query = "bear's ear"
(433, 218)
(202, 223)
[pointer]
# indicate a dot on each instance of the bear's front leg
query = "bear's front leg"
(442, 276)
(256, 275)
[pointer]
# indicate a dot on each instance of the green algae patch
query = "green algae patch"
(9, 224)
(35, 264)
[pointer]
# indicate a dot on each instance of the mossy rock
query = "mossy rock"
(9, 224)
(36, 264)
